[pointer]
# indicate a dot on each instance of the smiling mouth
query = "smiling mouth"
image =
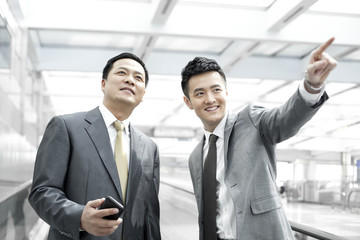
(211, 109)
(128, 90)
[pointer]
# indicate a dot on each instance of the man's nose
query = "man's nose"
(210, 98)
(129, 80)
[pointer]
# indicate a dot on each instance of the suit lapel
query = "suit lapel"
(100, 137)
(198, 169)
(136, 154)
(227, 132)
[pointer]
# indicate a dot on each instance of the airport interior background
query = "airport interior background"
(52, 53)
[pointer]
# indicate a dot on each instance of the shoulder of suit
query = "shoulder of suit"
(71, 118)
(250, 114)
(73, 115)
(141, 134)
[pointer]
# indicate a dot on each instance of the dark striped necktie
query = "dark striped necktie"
(209, 191)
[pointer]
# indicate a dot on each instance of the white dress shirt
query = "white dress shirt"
(226, 218)
(109, 119)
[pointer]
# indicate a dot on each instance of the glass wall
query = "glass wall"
(16, 151)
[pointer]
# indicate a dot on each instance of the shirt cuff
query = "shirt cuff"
(310, 98)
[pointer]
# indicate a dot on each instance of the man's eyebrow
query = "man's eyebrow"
(127, 69)
(215, 86)
(202, 89)
(198, 90)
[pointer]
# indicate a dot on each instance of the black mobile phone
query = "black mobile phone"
(112, 203)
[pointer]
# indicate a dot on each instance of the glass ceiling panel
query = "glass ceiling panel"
(269, 49)
(353, 56)
(250, 92)
(231, 3)
(297, 50)
(83, 38)
(336, 51)
(336, 6)
(191, 44)
(144, 1)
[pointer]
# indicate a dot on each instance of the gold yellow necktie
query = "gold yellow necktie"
(121, 158)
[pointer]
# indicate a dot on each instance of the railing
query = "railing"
(16, 190)
(313, 232)
(16, 215)
(297, 227)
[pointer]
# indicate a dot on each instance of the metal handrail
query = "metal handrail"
(297, 227)
(313, 232)
(13, 192)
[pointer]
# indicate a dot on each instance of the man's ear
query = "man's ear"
(103, 83)
(188, 103)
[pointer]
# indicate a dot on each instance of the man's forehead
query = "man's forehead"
(129, 63)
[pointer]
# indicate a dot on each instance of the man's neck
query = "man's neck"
(121, 113)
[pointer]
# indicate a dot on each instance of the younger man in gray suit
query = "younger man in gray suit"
(75, 165)
(234, 175)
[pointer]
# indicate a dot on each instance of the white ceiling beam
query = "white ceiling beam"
(163, 11)
(344, 54)
(237, 51)
(312, 29)
(283, 12)
(171, 63)
(309, 28)
(337, 56)
(146, 43)
(145, 46)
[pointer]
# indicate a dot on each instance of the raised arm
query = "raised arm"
(320, 66)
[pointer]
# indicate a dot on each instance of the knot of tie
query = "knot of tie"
(213, 138)
(119, 126)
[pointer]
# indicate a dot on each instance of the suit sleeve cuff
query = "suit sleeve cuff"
(310, 98)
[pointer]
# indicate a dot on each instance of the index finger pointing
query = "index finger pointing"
(324, 46)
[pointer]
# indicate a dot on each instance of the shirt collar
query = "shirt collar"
(219, 130)
(109, 118)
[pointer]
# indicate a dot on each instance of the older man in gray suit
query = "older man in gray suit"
(75, 165)
(234, 175)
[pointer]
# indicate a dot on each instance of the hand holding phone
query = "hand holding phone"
(112, 203)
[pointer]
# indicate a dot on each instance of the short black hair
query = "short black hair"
(132, 56)
(197, 66)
